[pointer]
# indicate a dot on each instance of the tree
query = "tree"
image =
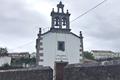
(22, 61)
(6, 65)
(3, 51)
(88, 55)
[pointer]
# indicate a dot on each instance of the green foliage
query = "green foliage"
(33, 60)
(88, 55)
(3, 51)
(6, 65)
(23, 61)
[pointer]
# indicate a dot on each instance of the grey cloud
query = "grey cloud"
(17, 19)
(19, 25)
(100, 27)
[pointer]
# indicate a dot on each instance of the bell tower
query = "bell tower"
(60, 19)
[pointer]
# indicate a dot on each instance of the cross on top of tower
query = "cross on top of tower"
(60, 6)
(60, 19)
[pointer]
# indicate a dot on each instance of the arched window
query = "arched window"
(56, 21)
(64, 21)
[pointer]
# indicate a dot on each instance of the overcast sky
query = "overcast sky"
(20, 20)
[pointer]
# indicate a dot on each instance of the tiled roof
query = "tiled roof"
(67, 31)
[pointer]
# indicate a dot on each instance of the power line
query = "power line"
(21, 46)
(28, 42)
(88, 11)
(71, 22)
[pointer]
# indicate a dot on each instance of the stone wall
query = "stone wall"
(92, 72)
(71, 72)
(43, 73)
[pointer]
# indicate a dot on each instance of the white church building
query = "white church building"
(59, 43)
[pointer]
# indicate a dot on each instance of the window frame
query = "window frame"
(61, 45)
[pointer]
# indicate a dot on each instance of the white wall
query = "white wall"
(102, 55)
(72, 48)
(5, 60)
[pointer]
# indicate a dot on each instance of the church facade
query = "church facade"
(59, 44)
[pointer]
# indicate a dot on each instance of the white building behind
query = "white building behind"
(117, 54)
(5, 60)
(102, 54)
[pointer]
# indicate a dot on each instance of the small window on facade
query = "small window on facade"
(61, 45)
(80, 54)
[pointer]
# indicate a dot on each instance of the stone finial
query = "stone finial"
(60, 4)
(40, 30)
(80, 32)
(67, 11)
(52, 9)
(81, 36)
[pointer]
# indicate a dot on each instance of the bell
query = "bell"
(56, 24)
(64, 23)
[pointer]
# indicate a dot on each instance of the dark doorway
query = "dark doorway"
(59, 70)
